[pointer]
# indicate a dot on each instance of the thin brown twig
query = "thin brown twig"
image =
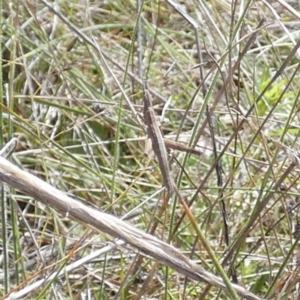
(171, 144)
(158, 144)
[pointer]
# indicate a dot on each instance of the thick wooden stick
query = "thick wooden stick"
(89, 216)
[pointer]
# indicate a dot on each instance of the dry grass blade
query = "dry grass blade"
(149, 245)
(181, 147)
(158, 144)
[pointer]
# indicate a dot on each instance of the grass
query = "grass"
(72, 95)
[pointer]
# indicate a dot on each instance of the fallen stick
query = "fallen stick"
(91, 217)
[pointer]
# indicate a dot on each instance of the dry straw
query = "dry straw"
(91, 217)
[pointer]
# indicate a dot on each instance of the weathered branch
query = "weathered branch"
(147, 244)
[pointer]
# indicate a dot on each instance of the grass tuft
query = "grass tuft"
(225, 77)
